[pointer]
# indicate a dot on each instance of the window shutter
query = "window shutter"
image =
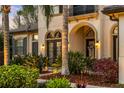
(13, 46)
(34, 48)
(25, 46)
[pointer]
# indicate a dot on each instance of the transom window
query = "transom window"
(57, 35)
(35, 37)
(49, 36)
(90, 34)
(115, 31)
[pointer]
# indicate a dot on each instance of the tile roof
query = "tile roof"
(113, 9)
(24, 28)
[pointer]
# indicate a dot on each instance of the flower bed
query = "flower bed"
(87, 79)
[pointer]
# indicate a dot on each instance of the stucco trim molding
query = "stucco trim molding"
(83, 16)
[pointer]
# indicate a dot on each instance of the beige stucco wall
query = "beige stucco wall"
(101, 25)
(55, 24)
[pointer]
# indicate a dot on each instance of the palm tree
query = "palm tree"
(5, 25)
(65, 70)
(47, 11)
(28, 13)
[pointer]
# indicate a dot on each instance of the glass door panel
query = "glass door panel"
(90, 48)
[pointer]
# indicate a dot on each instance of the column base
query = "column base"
(121, 70)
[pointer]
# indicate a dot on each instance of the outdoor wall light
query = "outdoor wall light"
(43, 46)
(97, 44)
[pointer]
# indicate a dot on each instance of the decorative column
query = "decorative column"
(116, 13)
(121, 49)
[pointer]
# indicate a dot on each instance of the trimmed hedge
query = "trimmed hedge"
(15, 76)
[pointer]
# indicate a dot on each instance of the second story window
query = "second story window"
(58, 9)
(83, 9)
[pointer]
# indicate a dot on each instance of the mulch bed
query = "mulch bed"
(45, 72)
(86, 79)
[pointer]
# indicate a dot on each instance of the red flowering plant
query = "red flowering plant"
(108, 68)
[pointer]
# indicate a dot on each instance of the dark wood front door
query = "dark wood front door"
(53, 49)
(115, 48)
(90, 48)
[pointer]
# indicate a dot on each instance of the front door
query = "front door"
(53, 49)
(90, 48)
(115, 48)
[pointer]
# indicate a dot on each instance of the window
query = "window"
(58, 9)
(35, 44)
(35, 37)
(57, 35)
(83, 9)
(54, 46)
(19, 47)
(90, 34)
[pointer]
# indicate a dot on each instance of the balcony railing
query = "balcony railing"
(83, 9)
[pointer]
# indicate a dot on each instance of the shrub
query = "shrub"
(58, 83)
(18, 60)
(58, 62)
(108, 68)
(78, 62)
(30, 61)
(18, 77)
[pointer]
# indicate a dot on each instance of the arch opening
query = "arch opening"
(83, 40)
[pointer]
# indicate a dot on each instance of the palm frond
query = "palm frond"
(47, 11)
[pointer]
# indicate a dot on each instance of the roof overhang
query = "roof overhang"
(113, 11)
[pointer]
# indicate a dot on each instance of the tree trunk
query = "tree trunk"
(65, 70)
(5, 24)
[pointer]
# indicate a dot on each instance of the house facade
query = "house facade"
(90, 32)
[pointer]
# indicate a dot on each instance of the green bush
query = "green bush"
(78, 62)
(58, 62)
(15, 76)
(30, 61)
(18, 60)
(58, 83)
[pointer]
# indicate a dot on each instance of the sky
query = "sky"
(14, 9)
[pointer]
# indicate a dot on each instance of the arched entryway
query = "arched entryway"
(54, 45)
(83, 40)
